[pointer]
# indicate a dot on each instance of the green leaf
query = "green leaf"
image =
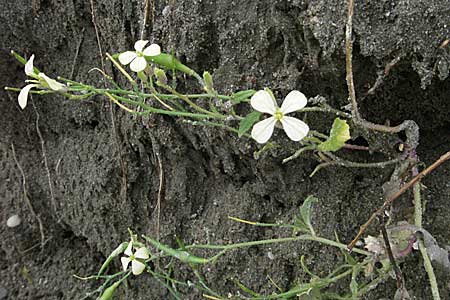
(241, 96)
(339, 134)
(305, 212)
(248, 122)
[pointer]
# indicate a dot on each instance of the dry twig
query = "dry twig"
(395, 195)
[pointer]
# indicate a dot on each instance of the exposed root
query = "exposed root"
(44, 156)
(410, 127)
(27, 200)
(123, 163)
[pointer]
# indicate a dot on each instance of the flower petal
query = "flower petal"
(29, 66)
(23, 95)
(152, 50)
(126, 57)
(263, 102)
(125, 262)
(262, 131)
(138, 64)
(52, 83)
(139, 45)
(129, 251)
(294, 128)
(295, 100)
(141, 253)
(137, 267)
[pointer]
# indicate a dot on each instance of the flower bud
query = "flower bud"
(208, 81)
(161, 78)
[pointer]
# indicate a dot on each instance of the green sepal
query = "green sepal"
(119, 250)
(108, 293)
(241, 96)
(339, 134)
(246, 123)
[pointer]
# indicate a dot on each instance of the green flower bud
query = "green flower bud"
(209, 86)
(161, 78)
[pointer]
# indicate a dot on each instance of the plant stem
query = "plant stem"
(305, 237)
(418, 222)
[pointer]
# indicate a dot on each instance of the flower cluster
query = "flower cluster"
(263, 101)
(40, 80)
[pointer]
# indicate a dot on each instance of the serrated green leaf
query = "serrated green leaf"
(339, 134)
(242, 96)
(305, 212)
(248, 122)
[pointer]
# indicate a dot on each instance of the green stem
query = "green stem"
(150, 109)
(418, 222)
(325, 109)
(189, 102)
(305, 237)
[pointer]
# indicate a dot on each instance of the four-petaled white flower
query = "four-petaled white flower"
(263, 102)
(40, 80)
(137, 266)
(136, 58)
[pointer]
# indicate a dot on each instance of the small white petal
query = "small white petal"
(13, 221)
(141, 253)
(295, 100)
(262, 131)
(138, 64)
(137, 267)
(126, 57)
(139, 45)
(29, 66)
(23, 95)
(263, 102)
(53, 84)
(125, 261)
(128, 250)
(294, 128)
(152, 50)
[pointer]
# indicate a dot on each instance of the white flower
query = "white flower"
(137, 59)
(137, 267)
(41, 80)
(263, 102)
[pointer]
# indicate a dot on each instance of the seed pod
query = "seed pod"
(108, 293)
(119, 250)
(183, 256)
